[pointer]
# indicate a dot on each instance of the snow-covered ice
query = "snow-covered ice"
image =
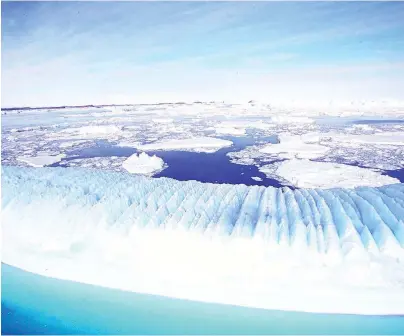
(41, 160)
(312, 174)
(143, 164)
(200, 144)
(338, 250)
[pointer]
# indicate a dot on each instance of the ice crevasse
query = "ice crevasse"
(336, 250)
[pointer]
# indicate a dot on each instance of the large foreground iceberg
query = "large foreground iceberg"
(337, 250)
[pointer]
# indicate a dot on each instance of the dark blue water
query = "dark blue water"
(183, 166)
(398, 174)
(33, 304)
(381, 121)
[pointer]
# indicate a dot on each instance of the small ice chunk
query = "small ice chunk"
(256, 178)
(143, 164)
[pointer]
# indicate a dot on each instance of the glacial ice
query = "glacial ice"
(143, 164)
(336, 250)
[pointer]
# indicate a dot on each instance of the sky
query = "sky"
(77, 53)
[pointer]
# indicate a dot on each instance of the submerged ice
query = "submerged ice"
(336, 250)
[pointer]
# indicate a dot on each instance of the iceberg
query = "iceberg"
(143, 164)
(336, 250)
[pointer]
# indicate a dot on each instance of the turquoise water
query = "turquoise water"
(33, 304)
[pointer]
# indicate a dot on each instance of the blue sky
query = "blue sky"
(59, 53)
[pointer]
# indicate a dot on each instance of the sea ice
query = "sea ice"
(291, 146)
(67, 144)
(90, 131)
(230, 130)
(287, 119)
(143, 164)
(41, 160)
(256, 178)
(312, 174)
(163, 120)
(200, 144)
(338, 250)
(386, 138)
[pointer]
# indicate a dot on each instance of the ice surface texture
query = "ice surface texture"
(337, 250)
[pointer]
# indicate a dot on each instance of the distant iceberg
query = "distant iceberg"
(336, 250)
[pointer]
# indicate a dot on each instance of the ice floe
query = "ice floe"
(143, 164)
(230, 130)
(314, 174)
(41, 160)
(200, 144)
(291, 146)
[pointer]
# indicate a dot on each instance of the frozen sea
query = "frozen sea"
(251, 145)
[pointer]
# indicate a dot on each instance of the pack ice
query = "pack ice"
(336, 250)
